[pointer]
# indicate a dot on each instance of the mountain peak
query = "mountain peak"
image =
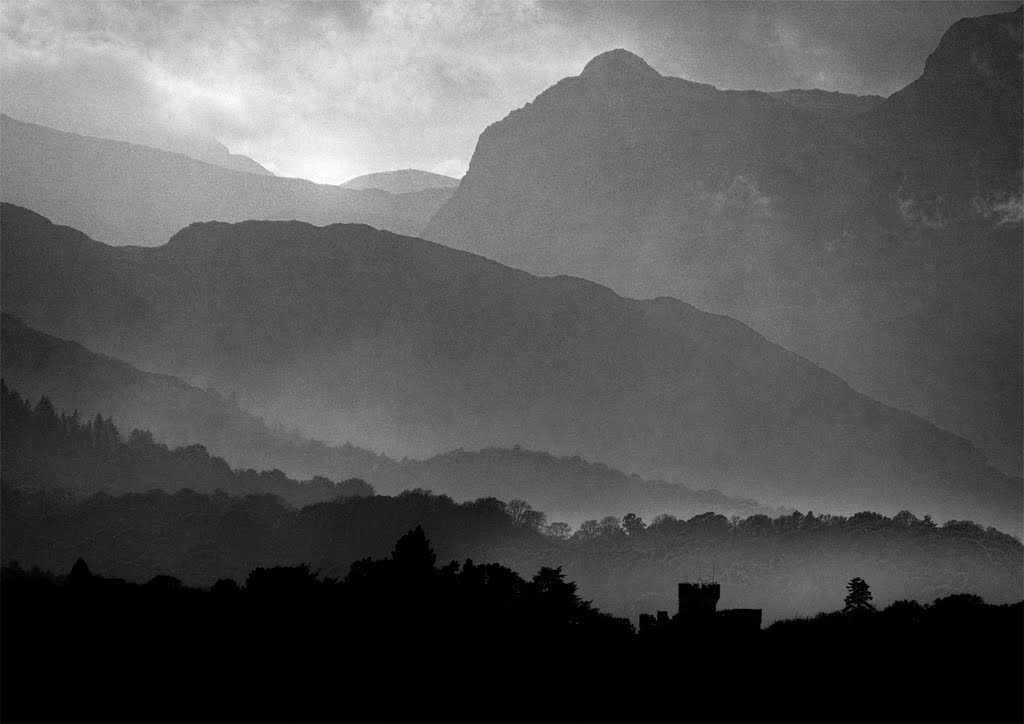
(619, 63)
(988, 46)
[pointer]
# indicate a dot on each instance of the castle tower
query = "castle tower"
(698, 600)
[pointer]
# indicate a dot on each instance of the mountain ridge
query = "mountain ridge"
(406, 180)
(619, 64)
(196, 146)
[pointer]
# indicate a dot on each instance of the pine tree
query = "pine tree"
(858, 597)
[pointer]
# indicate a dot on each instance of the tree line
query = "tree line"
(220, 522)
(795, 564)
(44, 448)
(403, 637)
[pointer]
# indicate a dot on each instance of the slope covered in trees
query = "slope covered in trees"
(569, 488)
(409, 347)
(44, 449)
(73, 378)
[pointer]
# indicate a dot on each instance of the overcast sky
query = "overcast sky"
(327, 91)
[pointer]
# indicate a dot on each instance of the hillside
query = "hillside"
(129, 194)
(829, 105)
(404, 181)
(74, 378)
(165, 137)
(177, 414)
(567, 488)
(44, 449)
(883, 244)
(401, 345)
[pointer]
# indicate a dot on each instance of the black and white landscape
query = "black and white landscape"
(703, 365)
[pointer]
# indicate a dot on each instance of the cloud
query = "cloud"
(742, 193)
(321, 90)
(1003, 208)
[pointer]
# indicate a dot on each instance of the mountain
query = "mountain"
(165, 138)
(956, 130)
(128, 194)
(402, 182)
(883, 245)
(203, 149)
(969, 91)
(402, 345)
(177, 414)
(828, 104)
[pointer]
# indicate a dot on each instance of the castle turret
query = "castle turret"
(698, 600)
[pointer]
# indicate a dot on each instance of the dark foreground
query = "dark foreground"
(400, 639)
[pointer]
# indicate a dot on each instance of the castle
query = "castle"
(698, 615)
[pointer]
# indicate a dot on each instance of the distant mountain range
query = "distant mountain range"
(402, 182)
(569, 489)
(128, 194)
(406, 346)
(192, 144)
(880, 238)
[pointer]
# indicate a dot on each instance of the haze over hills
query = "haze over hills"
(127, 194)
(178, 414)
(883, 244)
(402, 182)
(406, 346)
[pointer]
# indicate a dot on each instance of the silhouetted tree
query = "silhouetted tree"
(413, 552)
(280, 581)
(225, 587)
(588, 529)
(523, 515)
(633, 524)
(905, 519)
(164, 582)
(858, 598)
(551, 583)
(559, 530)
(80, 573)
(610, 525)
